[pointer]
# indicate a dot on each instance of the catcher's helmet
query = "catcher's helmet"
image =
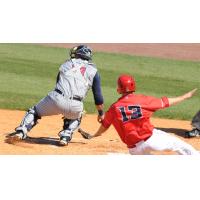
(82, 51)
(126, 83)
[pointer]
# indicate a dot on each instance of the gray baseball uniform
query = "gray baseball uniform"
(74, 80)
(76, 76)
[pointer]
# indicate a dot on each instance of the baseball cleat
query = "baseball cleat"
(192, 133)
(64, 140)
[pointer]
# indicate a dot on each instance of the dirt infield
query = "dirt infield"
(44, 139)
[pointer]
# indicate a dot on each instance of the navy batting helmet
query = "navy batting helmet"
(82, 51)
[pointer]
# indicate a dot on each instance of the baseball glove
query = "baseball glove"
(85, 135)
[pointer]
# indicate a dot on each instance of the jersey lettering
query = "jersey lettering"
(82, 69)
(135, 113)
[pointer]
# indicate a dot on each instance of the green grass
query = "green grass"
(28, 72)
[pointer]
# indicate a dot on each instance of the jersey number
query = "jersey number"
(135, 113)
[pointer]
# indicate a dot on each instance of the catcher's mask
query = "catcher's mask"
(82, 51)
(126, 83)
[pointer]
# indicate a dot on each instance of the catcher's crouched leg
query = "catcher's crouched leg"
(28, 122)
(70, 125)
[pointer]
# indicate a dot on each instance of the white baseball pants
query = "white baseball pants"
(162, 141)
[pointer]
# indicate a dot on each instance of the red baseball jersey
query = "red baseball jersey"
(130, 116)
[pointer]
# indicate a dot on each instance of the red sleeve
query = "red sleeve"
(108, 118)
(157, 103)
(165, 101)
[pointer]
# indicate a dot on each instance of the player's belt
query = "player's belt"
(74, 98)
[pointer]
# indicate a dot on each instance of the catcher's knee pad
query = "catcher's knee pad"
(70, 125)
(29, 120)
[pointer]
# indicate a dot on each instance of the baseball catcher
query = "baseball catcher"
(195, 132)
(75, 77)
(130, 116)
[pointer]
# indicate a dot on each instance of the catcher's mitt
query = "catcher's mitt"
(84, 134)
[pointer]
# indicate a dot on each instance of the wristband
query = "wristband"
(100, 112)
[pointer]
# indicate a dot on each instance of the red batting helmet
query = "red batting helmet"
(126, 83)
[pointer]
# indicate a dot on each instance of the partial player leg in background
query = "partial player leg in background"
(196, 120)
(196, 124)
(70, 125)
(162, 141)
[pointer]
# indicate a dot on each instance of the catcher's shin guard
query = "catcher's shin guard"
(70, 125)
(28, 122)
